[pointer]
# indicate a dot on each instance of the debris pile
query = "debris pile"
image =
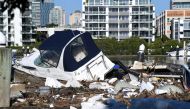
(33, 91)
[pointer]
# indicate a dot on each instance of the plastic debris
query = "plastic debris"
(99, 85)
(146, 86)
(123, 84)
(170, 89)
(94, 103)
(113, 80)
(73, 83)
(71, 107)
(51, 82)
(51, 106)
(159, 91)
(21, 100)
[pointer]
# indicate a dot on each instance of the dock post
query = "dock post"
(5, 74)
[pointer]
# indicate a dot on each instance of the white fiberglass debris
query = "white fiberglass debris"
(111, 91)
(146, 86)
(134, 82)
(51, 82)
(56, 96)
(71, 107)
(128, 92)
(94, 103)
(51, 105)
(73, 83)
(133, 77)
(99, 85)
(123, 84)
(111, 81)
(21, 100)
(171, 89)
(159, 91)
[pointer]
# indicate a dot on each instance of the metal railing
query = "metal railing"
(95, 20)
(95, 12)
(95, 28)
(141, 12)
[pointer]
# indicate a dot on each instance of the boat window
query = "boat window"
(78, 50)
(38, 62)
(50, 57)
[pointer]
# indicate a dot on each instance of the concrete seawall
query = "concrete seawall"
(5, 74)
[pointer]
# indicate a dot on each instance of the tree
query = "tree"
(10, 5)
(51, 25)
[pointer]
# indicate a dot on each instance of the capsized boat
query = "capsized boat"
(67, 55)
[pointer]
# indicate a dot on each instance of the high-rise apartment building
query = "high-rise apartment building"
(173, 24)
(57, 16)
(119, 18)
(19, 30)
(75, 18)
(36, 12)
(46, 6)
(179, 4)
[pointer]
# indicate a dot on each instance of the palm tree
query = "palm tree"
(10, 5)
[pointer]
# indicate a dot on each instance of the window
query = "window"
(78, 50)
(48, 58)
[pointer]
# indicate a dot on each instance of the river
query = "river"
(129, 59)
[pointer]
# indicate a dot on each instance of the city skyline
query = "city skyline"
(71, 5)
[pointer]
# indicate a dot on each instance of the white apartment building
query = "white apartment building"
(175, 23)
(179, 4)
(180, 29)
(36, 12)
(120, 19)
(57, 16)
(18, 31)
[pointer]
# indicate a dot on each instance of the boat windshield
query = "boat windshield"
(38, 62)
(50, 57)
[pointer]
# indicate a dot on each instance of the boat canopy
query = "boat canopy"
(79, 49)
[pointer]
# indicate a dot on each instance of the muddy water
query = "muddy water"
(129, 60)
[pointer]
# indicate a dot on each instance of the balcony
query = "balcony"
(113, 13)
(2, 16)
(28, 40)
(11, 32)
(1, 24)
(113, 21)
(113, 29)
(135, 29)
(142, 20)
(123, 3)
(145, 29)
(95, 28)
(26, 24)
(95, 12)
(96, 20)
(27, 32)
(141, 12)
(113, 35)
(123, 29)
(124, 21)
(124, 13)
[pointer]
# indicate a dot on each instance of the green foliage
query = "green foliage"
(131, 46)
(125, 47)
(51, 25)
